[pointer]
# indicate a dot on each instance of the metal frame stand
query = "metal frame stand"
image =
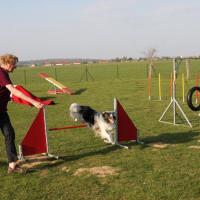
(86, 74)
(46, 132)
(116, 130)
(21, 156)
(173, 101)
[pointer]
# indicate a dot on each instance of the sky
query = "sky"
(101, 29)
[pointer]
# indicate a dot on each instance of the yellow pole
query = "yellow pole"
(183, 87)
(159, 86)
(171, 82)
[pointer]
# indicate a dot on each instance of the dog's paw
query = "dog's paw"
(112, 142)
(108, 142)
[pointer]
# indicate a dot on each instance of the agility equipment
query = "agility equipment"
(173, 101)
(159, 87)
(171, 86)
(183, 87)
(59, 88)
(150, 81)
(30, 95)
(187, 66)
(149, 86)
(189, 98)
(36, 139)
(125, 129)
(68, 127)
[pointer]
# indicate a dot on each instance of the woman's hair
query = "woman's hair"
(8, 59)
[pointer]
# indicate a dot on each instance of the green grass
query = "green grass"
(145, 173)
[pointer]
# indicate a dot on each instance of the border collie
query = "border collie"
(103, 123)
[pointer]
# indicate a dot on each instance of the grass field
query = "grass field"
(144, 172)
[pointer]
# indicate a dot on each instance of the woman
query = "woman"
(7, 65)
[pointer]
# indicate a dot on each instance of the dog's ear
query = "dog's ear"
(105, 115)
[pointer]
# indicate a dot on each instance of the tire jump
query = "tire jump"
(189, 98)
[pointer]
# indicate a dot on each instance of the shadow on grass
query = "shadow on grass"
(90, 153)
(47, 98)
(62, 159)
(171, 138)
(78, 92)
(195, 122)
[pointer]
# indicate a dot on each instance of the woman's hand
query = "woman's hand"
(19, 94)
(38, 104)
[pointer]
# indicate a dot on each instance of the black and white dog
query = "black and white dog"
(103, 123)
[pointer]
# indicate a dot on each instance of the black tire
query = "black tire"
(189, 98)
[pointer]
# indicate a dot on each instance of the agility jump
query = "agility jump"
(125, 128)
(59, 88)
(36, 139)
(67, 127)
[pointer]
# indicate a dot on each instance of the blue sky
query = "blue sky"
(40, 29)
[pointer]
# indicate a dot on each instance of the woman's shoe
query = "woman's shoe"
(16, 169)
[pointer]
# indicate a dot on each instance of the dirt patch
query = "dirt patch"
(102, 171)
(65, 169)
(44, 173)
(159, 145)
(36, 161)
(194, 147)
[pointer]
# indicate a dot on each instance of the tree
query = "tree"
(150, 55)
